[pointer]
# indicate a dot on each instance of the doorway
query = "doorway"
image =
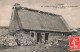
(39, 37)
(46, 36)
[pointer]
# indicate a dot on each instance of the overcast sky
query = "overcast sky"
(70, 14)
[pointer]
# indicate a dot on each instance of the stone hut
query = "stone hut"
(37, 24)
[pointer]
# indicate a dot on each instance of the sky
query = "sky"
(70, 14)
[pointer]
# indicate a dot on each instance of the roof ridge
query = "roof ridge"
(17, 5)
(43, 12)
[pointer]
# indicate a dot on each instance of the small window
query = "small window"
(32, 34)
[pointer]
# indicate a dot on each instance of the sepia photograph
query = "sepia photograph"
(39, 25)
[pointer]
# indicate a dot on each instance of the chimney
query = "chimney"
(16, 6)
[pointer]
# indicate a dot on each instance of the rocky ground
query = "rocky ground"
(40, 47)
(62, 46)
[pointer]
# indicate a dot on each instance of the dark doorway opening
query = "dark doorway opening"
(39, 37)
(46, 36)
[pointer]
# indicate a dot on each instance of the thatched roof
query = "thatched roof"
(31, 19)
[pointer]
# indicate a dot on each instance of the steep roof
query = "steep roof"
(38, 20)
